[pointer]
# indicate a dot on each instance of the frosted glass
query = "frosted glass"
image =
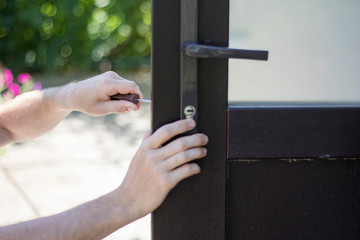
(314, 50)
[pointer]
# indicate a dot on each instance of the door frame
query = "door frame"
(195, 208)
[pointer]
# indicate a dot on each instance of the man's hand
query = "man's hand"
(34, 113)
(156, 169)
(92, 96)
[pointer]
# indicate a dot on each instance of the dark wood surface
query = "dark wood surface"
(294, 132)
(195, 209)
(279, 199)
(165, 62)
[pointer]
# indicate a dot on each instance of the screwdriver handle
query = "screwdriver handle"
(131, 97)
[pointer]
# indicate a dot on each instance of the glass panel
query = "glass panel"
(314, 50)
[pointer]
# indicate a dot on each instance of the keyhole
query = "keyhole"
(189, 111)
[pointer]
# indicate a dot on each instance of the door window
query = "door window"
(314, 51)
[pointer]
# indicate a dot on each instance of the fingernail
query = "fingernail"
(206, 139)
(191, 123)
(131, 109)
(204, 152)
(196, 168)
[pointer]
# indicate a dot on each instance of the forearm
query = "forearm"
(32, 114)
(90, 221)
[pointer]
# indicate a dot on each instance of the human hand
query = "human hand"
(156, 169)
(92, 96)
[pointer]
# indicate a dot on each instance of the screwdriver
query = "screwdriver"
(134, 98)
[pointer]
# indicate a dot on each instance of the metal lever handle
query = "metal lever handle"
(195, 50)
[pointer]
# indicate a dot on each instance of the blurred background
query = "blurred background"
(70, 36)
(55, 42)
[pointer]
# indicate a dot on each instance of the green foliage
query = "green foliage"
(69, 35)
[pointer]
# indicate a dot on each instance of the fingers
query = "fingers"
(117, 84)
(184, 143)
(112, 74)
(92, 96)
(167, 132)
(122, 86)
(151, 175)
(181, 151)
(113, 84)
(116, 107)
(184, 157)
(183, 172)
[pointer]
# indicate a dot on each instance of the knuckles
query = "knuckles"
(187, 168)
(200, 138)
(164, 182)
(166, 132)
(132, 84)
(145, 144)
(111, 74)
(181, 144)
(103, 82)
(181, 157)
(160, 176)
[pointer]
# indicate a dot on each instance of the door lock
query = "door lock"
(189, 111)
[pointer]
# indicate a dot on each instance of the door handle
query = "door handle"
(191, 51)
(195, 50)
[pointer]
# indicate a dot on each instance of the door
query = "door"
(284, 152)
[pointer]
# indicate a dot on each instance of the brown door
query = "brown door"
(284, 152)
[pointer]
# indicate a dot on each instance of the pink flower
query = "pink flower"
(8, 77)
(37, 86)
(14, 89)
(24, 77)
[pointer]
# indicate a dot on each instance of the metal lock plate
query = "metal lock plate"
(189, 111)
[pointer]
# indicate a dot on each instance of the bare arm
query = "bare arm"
(34, 113)
(153, 172)
(92, 220)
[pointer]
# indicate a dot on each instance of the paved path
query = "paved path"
(81, 159)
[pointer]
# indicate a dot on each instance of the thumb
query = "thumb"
(117, 107)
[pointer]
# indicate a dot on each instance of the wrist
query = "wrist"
(119, 209)
(59, 98)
